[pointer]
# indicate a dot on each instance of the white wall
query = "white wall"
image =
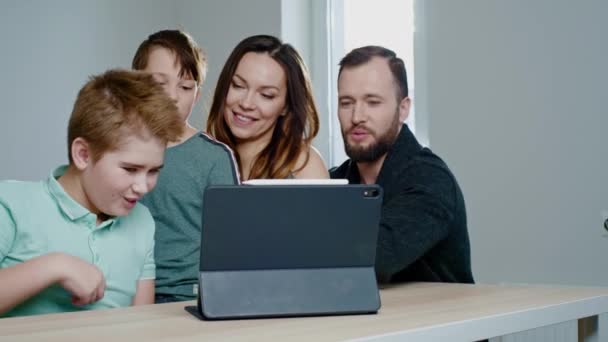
(516, 104)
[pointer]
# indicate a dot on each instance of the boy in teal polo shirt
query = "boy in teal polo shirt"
(80, 240)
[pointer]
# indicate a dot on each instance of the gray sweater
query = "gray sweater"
(423, 229)
(177, 205)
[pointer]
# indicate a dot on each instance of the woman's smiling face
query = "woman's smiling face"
(256, 98)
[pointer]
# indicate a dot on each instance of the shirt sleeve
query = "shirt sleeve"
(7, 230)
(149, 268)
(224, 171)
(414, 221)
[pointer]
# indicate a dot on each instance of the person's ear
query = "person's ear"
(404, 109)
(81, 153)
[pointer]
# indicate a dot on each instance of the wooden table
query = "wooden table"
(412, 312)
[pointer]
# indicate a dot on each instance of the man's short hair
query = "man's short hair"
(118, 103)
(364, 54)
(190, 56)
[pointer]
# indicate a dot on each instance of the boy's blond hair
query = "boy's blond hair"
(118, 103)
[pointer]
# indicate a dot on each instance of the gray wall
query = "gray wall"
(218, 26)
(48, 51)
(515, 94)
(510, 93)
(50, 48)
(304, 25)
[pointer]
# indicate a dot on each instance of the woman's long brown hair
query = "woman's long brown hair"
(293, 132)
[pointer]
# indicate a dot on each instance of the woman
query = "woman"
(263, 108)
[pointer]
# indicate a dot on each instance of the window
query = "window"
(355, 23)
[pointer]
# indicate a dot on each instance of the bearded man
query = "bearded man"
(423, 228)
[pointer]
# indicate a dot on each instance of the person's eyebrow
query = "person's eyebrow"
(262, 87)
(139, 166)
(240, 78)
(270, 87)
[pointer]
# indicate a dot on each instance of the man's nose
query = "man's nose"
(358, 115)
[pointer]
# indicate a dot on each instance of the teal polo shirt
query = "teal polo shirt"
(37, 218)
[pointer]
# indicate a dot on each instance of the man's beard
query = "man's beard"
(376, 150)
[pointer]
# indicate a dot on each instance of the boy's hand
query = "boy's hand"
(83, 280)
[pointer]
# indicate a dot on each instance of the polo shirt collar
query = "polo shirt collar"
(72, 209)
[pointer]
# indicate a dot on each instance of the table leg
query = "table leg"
(588, 329)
